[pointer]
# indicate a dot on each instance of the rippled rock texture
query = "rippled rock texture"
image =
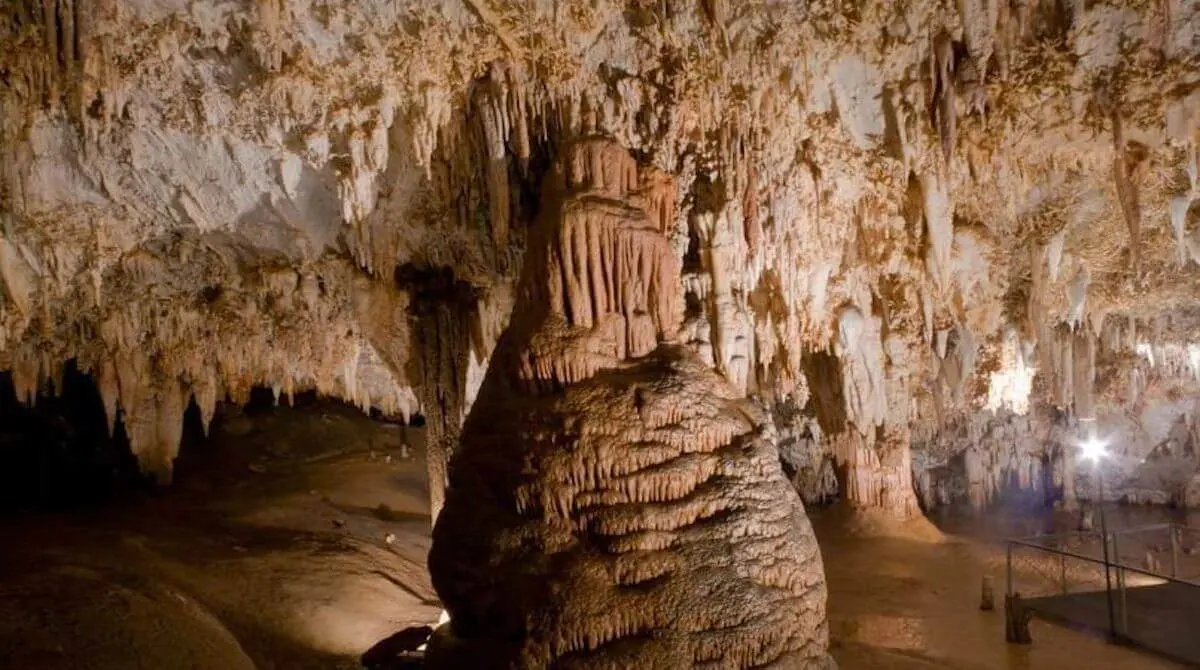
(615, 502)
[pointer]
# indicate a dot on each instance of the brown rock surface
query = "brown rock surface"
(614, 502)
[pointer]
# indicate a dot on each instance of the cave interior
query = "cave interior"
(587, 333)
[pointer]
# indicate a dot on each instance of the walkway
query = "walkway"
(1163, 618)
(1155, 608)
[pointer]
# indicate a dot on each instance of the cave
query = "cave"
(594, 333)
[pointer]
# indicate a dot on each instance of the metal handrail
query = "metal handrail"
(1106, 562)
(1122, 531)
(1100, 561)
(1157, 526)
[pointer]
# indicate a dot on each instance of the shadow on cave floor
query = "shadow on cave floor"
(896, 603)
(293, 538)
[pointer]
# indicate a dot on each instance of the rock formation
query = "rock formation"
(920, 223)
(614, 502)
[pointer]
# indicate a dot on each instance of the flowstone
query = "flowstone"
(614, 502)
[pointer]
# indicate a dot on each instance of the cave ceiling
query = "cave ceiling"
(201, 196)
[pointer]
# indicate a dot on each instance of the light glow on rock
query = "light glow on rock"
(1093, 449)
(1010, 386)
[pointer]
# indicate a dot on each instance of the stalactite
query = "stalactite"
(1127, 190)
(22, 279)
(1004, 41)
(1178, 212)
(1084, 376)
(731, 335)
(1077, 293)
(941, 66)
(1167, 14)
(494, 132)
(958, 363)
(1193, 169)
(1054, 253)
(979, 20)
(752, 225)
(859, 347)
(204, 392)
(1035, 310)
(939, 228)
(110, 393)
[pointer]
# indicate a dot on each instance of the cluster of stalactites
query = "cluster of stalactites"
(992, 465)
(1071, 368)
(1010, 386)
(956, 350)
(293, 331)
(1124, 170)
(150, 400)
(1165, 354)
(869, 482)
(728, 265)
(505, 116)
(52, 60)
(999, 452)
(606, 279)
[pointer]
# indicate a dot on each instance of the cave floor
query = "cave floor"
(297, 538)
(270, 551)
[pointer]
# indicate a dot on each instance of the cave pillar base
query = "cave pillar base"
(876, 484)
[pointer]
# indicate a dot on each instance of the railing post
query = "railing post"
(1124, 601)
(1116, 553)
(1112, 619)
(1062, 566)
(1174, 551)
(1008, 571)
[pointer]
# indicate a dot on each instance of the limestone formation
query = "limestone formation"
(614, 502)
(913, 221)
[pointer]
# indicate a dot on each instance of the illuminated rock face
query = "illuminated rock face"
(960, 202)
(614, 501)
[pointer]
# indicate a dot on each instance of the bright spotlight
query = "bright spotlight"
(1093, 450)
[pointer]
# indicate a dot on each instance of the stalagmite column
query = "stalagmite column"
(441, 308)
(1084, 382)
(895, 448)
(874, 449)
(1067, 453)
(615, 503)
(866, 482)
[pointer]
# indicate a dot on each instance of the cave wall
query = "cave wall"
(941, 197)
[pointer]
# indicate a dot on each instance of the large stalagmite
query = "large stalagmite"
(614, 502)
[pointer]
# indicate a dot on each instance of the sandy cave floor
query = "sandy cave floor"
(273, 551)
